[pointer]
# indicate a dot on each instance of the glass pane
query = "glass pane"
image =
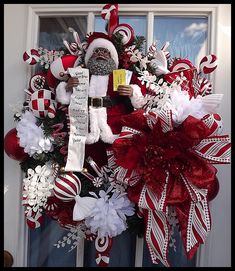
(122, 253)
(42, 252)
(176, 254)
(54, 30)
(138, 23)
(187, 36)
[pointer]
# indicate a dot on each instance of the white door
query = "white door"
(21, 33)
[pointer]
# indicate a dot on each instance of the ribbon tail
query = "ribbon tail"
(194, 219)
(157, 228)
(157, 236)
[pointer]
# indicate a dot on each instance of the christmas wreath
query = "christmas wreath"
(158, 170)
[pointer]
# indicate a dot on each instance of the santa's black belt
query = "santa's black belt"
(105, 101)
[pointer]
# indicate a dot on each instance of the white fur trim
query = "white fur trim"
(62, 95)
(99, 129)
(102, 82)
(106, 134)
(94, 134)
(103, 43)
(137, 99)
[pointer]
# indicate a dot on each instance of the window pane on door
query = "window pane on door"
(138, 23)
(54, 30)
(187, 36)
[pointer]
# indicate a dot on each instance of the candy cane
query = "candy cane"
(103, 246)
(58, 127)
(110, 13)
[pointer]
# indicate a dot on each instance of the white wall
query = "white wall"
(219, 240)
(15, 27)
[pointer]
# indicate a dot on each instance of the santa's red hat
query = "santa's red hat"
(58, 68)
(99, 39)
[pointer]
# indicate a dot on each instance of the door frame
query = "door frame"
(49, 10)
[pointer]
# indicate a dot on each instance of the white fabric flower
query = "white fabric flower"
(108, 217)
(31, 136)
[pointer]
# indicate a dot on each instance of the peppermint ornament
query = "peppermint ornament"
(42, 103)
(67, 186)
(208, 64)
(31, 57)
(181, 64)
(126, 31)
(37, 82)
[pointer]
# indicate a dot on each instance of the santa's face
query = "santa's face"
(101, 63)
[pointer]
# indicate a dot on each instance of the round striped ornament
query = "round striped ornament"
(67, 186)
(127, 33)
(208, 64)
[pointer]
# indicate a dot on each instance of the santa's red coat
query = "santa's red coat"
(114, 115)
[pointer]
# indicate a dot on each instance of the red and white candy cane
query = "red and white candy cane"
(31, 56)
(164, 47)
(57, 131)
(103, 246)
(215, 123)
(110, 13)
(152, 48)
(208, 64)
(205, 86)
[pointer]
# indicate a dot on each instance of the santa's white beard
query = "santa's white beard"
(101, 66)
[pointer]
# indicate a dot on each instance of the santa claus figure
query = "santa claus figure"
(106, 106)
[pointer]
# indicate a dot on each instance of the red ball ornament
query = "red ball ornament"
(12, 146)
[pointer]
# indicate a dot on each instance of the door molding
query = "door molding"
(50, 10)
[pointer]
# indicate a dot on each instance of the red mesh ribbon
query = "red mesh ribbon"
(174, 168)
